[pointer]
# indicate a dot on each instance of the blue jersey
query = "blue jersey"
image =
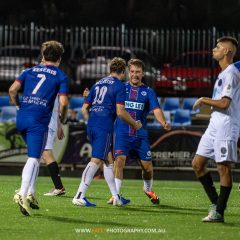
(103, 97)
(40, 86)
(139, 102)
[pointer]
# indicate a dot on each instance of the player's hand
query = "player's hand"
(86, 92)
(138, 125)
(167, 126)
(60, 133)
(197, 104)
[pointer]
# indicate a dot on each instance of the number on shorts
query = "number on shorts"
(42, 79)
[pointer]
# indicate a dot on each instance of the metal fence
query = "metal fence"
(178, 60)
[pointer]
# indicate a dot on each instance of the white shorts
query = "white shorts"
(218, 150)
(50, 139)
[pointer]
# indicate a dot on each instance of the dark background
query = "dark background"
(133, 13)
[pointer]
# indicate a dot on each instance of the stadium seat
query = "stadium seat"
(4, 101)
(8, 114)
(188, 104)
(79, 114)
(76, 102)
(156, 124)
(171, 104)
(182, 117)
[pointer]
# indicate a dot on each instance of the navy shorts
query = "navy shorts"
(123, 144)
(101, 141)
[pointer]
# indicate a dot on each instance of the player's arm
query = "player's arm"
(85, 109)
(125, 116)
(222, 103)
(13, 93)
(63, 107)
(159, 115)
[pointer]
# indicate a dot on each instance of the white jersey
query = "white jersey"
(225, 124)
(54, 119)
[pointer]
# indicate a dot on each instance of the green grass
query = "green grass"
(183, 204)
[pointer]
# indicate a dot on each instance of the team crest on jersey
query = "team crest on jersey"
(223, 150)
(220, 82)
(149, 154)
(144, 93)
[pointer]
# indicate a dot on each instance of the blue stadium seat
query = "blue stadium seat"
(76, 102)
(182, 117)
(4, 101)
(79, 114)
(171, 104)
(8, 114)
(188, 104)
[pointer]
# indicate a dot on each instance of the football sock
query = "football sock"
(209, 187)
(55, 175)
(109, 177)
(223, 198)
(32, 187)
(29, 173)
(118, 183)
(147, 185)
(87, 178)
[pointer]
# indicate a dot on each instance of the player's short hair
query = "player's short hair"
(52, 50)
(117, 65)
(136, 62)
(230, 39)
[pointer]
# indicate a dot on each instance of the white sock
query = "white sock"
(147, 185)
(32, 187)
(87, 178)
(29, 173)
(118, 183)
(109, 177)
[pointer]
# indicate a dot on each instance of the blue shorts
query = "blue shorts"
(35, 136)
(101, 141)
(123, 144)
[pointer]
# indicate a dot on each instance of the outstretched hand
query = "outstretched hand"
(197, 104)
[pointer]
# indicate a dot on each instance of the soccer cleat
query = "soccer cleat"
(239, 187)
(124, 200)
(23, 204)
(213, 216)
(153, 197)
(55, 192)
(212, 208)
(117, 201)
(110, 201)
(32, 201)
(83, 202)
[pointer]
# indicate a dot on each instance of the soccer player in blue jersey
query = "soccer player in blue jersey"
(40, 85)
(106, 99)
(140, 99)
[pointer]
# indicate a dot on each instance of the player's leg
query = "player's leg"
(226, 152)
(142, 146)
(101, 142)
(52, 166)
(122, 146)
(36, 139)
(205, 150)
(109, 177)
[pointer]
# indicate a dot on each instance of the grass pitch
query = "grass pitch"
(178, 216)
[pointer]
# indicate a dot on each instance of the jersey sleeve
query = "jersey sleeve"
(64, 88)
(21, 78)
(90, 97)
(153, 101)
(230, 86)
(120, 94)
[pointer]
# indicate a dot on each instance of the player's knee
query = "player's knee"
(197, 167)
(224, 169)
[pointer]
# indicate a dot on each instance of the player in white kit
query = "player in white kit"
(219, 142)
(54, 129)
